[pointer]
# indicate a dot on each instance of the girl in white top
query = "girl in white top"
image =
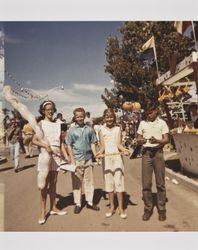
(110, 145)
(54, 147)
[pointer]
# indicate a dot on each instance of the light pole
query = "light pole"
(2, 79)
(3, 149)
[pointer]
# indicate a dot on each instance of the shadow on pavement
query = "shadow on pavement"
(64, 202)
(127, 201)
(34, 156)
(25, 167)
(5, 169)
(174, 165)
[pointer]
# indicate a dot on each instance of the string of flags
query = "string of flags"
(26, 93)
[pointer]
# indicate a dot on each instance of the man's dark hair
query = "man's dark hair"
(63, 127)
(151, 106)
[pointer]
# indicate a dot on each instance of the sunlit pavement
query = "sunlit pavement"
(22, 203)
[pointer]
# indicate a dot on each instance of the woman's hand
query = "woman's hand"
(99, 155)
(48, 148)
(126, 152)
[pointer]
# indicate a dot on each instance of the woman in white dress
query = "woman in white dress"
(111, 149)
(47, 178)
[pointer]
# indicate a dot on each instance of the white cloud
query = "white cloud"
(28, 82)
(68, 99)
(12, 40)
(58, 95)
(89, 87)
(76, 93)
(96, 109)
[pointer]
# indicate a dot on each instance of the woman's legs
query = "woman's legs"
(120, 202)
(112, 206)
(120, 205)
(52, 193)
(52, 190)
(43, 199)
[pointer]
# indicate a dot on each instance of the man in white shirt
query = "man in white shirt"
(153, 135)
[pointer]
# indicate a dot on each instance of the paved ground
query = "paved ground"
(1, 205)
(22, 204)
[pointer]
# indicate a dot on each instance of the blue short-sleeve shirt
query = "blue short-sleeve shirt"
(80, 139)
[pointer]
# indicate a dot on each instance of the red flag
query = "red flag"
(181, 26)
(172, 59)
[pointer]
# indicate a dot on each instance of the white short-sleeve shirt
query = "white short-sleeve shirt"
(157, 128)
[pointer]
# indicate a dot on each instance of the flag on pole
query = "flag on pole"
(150, 44)
(181, 26)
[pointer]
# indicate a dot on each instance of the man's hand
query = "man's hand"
(153, 140)
(141, 141)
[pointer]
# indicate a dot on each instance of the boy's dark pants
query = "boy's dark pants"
(153, 160)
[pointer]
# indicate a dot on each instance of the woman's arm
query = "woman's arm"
(93, 149)
(39, 143)
(120, 146)
(64, 152)
(101, 151)
(70, 151)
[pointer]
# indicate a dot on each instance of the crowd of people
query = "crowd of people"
(85, 142)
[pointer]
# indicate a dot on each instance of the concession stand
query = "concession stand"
(176, 90)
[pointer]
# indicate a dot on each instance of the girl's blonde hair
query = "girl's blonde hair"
(109, 111)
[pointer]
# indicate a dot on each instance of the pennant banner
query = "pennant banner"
(150, 44)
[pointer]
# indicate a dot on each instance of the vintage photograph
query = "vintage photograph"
(98, 126)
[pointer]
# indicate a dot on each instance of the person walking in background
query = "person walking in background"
(64, 148)
(88, 119)
(110, 145)
(59, 118)
(52, 132)
(13, 135)
(193, 114)
(28, 133)
(153, 135)
(81, 139)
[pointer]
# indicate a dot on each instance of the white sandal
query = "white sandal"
(41, 222)
(123, 216)
(58, 212)
(109, 214)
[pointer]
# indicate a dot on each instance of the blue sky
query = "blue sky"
(45, 55)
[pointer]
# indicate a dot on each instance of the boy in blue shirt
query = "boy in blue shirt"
(81, 140)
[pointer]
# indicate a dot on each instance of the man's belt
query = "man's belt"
(152, 149)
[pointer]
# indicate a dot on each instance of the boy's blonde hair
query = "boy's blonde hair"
(79, 110)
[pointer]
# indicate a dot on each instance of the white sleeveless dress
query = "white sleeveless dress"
(52, 133)
(113, 162)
